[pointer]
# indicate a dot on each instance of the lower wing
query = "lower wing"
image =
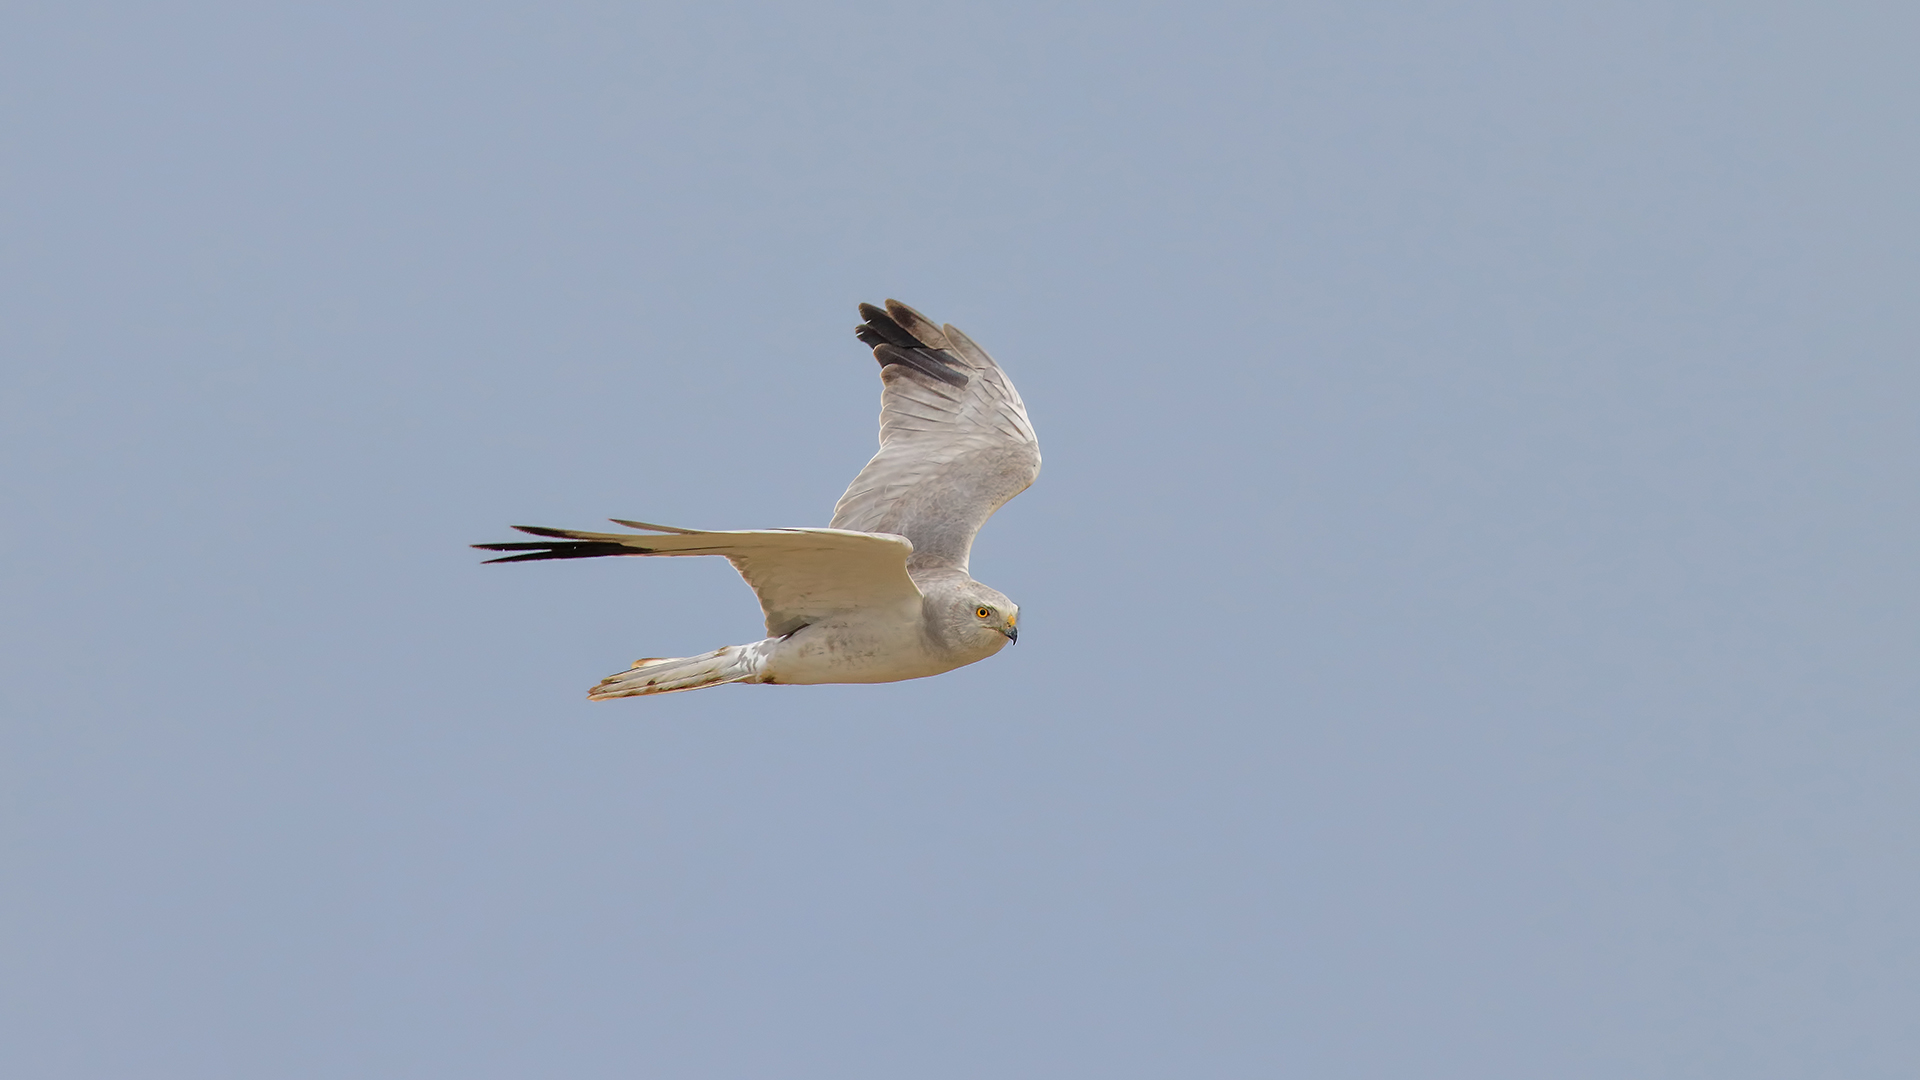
(800, 575)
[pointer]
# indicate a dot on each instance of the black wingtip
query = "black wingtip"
(534, 557)
(893, 343)
(576, 549)
(881, 325)
(926, 361)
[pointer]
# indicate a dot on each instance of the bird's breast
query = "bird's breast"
(862, 650)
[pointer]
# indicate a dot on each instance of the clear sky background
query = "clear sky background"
(1471, 614)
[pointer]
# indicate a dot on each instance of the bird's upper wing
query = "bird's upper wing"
(800, 575)
(955, 442)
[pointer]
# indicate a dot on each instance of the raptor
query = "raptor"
(883, 593)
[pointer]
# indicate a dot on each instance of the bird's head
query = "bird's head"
(983, 618)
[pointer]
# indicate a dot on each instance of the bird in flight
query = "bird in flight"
(883, 593)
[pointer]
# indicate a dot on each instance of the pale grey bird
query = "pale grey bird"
(883, 593)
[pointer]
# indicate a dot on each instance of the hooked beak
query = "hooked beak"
(1013, 634)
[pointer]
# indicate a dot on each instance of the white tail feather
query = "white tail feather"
(735, 663)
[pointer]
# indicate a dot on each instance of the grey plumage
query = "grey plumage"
(884, 592)
(950, 455)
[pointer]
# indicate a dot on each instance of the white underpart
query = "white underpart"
(870, 648)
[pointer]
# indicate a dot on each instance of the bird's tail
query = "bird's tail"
(735, 663)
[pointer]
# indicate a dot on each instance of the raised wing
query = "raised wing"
(955, 442)
(800, 575)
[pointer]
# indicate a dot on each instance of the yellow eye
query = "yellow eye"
(983, 612)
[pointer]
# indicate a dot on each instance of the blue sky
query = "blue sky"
(1468, 608)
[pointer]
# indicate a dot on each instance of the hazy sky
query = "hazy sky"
(1470, 608)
